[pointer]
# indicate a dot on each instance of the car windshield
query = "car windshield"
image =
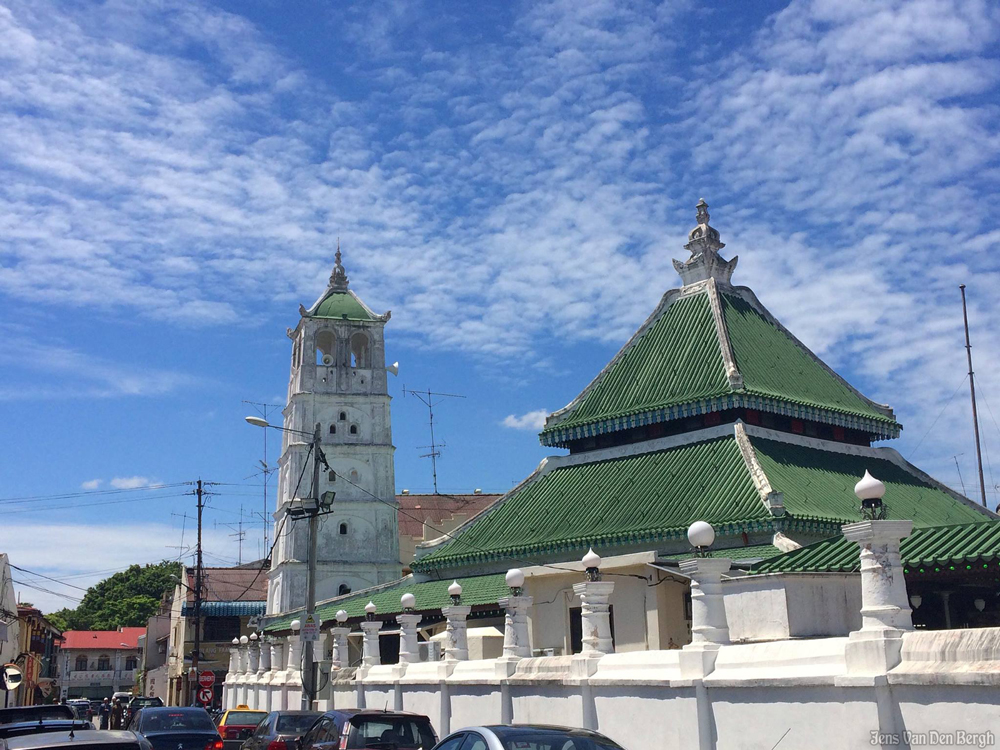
(391, 732)
(172, 721)
(295, 723)
(556, 741)
(243, 718)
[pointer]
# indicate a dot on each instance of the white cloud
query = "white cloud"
(129, 483)
(532, 420)
(91, 484)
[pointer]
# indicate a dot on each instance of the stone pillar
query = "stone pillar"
(264, 665)
(408, 637)
(516, 641)
(595, 616)
(254, 658)
(884, 603)
(294, 665)
(341, 654)
(244, 658)
(456, 645)
(709, 626)
(278, 662)
(371, 655)
(234, 662)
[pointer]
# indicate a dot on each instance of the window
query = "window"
(332, 476)
(221, 628)
(354, 475)
(343, 589)
(343, 416)
(343, 529)
(103, 663)
(354, 429)
(359, 350)
(81, 663)
(333, 429)
(474, 741)
(326, 344)
(452, 743)
(131, 663)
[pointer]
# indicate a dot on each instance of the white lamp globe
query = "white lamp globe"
(591, 559)
(515, 578)
(701, 534)
(236, 641)
(869, 488)
(979, 604)
(408, 600)
(253, 636)
(244, 640)
(370, 608)
(455, 589)
(341, 615)
(295, 625)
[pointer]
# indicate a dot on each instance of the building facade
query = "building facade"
(95, 664)
(39, 643)
(338, 385)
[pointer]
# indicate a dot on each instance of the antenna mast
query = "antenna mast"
(972, 390)
(428, 398)
(266, 470)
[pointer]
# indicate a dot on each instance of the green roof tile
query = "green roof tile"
(941, 545)
(430, 595)
(612, 503)
(775, 365)
(750, 552)
(341, 306)
(820, 484)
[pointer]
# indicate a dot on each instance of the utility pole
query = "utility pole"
(427, 397)
(972, 389)
(308, 670)
(199, 492)
(264, 410)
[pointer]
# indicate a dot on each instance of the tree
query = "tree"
(126, 599)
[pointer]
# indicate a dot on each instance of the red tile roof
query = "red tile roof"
(414, 510)
(107, 640)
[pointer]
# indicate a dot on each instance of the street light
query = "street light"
(311, 510)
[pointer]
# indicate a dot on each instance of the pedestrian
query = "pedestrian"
(105, 713)
(116, 714)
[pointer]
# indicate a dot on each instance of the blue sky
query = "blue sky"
(512, 180)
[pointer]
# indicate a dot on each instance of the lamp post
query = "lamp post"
(312, 511)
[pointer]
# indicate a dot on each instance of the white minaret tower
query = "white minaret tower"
(338, 379)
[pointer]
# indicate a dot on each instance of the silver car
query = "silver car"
(516, 737)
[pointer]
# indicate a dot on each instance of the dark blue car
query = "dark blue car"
(176, 728)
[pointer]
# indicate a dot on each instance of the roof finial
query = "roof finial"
(338, 279)
(704, 245)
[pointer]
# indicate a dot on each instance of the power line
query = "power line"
(47, 578)
(48, 591)
(91, 493)
(86, 505)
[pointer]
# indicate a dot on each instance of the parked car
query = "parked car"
(17, 714)
(235, 725)
(280, 729)
(140, 701)
(363, 728)
(77, 740)
(25, 720)
(536, 737)
(82, 706)
(176, 728)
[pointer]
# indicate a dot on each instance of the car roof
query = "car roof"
(36, 713)
(374, 712)
(513, 730)
(173, 709)
(62, 739)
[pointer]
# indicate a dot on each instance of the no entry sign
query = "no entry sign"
(206, 679)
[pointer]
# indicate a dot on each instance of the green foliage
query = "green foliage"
(126, 599)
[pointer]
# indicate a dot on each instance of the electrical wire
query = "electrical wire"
(47, 578)
(89, 505)
(48, 591)
(90, 493)
(946, 405)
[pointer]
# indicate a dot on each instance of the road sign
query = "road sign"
(205, 696)
(310, 629)
(206, 679)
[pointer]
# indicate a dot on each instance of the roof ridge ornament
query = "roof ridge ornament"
(338, 279)
(704, 244)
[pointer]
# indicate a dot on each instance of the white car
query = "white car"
(517, 737)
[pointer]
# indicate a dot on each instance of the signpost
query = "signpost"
(310, 629)
(206, 679)
(205, 696)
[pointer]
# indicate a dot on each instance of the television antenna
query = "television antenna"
(238, 533)
(431, 399)
(266, 470)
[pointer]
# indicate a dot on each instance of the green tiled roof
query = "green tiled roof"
(430, 595)
(819, 484)
(942, 545)
(750, 552)
(774, 365)
(673, 368)
(341, 306)
(612, 503)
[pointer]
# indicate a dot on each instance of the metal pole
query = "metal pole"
(308, 678)
(197, 603)
(972, 390)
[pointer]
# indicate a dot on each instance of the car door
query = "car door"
(253, 742)
(317, 732)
